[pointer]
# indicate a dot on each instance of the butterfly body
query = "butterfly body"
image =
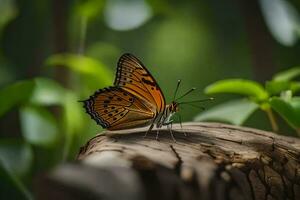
(165, 117)
(135, 100)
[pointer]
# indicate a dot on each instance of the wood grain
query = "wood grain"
(215, 161)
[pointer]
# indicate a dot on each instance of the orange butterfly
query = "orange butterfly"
(135, 100)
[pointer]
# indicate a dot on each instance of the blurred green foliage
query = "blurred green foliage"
(55, 53)
(277, 95)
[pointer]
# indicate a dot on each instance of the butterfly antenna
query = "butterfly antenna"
(200, 107)
(175, 93)
(191, 90)
(196, 101)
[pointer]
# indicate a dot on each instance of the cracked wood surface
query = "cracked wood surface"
(215, 161)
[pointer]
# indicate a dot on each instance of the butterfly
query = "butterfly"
(135, 100)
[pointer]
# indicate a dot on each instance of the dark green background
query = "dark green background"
(198, 42)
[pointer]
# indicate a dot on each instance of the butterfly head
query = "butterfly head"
(174, 107)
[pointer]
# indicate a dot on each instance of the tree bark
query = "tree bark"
(214, 161)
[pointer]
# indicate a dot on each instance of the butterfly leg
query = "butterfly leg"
(180, 122)
(157, 133)
(150, 128)
(169, 126)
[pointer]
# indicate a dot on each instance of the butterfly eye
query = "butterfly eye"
(130, 99)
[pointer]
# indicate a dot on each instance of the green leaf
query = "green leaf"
(73, 114)
(39, 126)
(47, 92)
(16, 156)
(282, 19)
(234, 112)
(8, 11)
(287, 109)
(295, 87)
(90, 8)
(287, 75)
(94, 71)
(135, 13)
(276, 87)
(238, 86)
(15, 94)
(286, 95)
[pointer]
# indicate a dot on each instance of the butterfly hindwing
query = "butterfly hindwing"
(115, 108)
(133, 77)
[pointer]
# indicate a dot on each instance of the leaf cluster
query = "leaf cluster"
(53, 122)
(278, 94)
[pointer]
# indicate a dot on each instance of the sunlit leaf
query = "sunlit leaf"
(286, 95)
(282, 19)
(288, 109)
(47, 92)
(15, 94)
(39, 126)
(233, 112)
(94, 71)
(238, 86)
(287, 75)
(16, 156)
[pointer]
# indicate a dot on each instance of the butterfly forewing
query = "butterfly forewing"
(115, 108)
(133, 77)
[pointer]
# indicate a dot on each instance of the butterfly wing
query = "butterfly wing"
(133, 77)
(115, 108)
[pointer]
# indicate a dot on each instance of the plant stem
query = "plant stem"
(272, 120)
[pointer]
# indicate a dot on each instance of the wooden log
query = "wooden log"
(214, 161)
